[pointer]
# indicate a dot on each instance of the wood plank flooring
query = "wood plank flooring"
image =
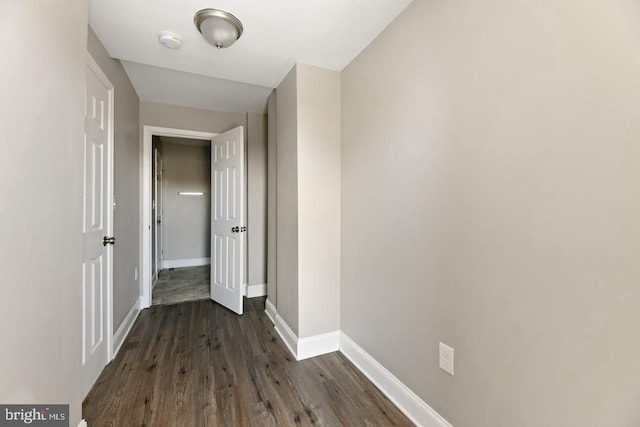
(176, 285)
(199, 364)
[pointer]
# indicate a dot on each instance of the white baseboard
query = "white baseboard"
(318, 345)
(418, 411)
(253, 291)
(270, 309)
(290, 339)
(186, 262)
(407, 401)
(82, 423)
(125, 327)
(304, 348)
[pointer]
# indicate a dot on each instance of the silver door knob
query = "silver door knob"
(108, 241)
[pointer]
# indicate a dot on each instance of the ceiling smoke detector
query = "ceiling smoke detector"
(218, 27)
(170, 40)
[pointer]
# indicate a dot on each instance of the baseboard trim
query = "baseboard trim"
(288, 336)
(186, 262)
(125, 327)
(318, 345)
(406, 400)
(254, 291)
(305, 348)
(270, 309)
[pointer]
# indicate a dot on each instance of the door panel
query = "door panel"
(227, 244)
(96, 257)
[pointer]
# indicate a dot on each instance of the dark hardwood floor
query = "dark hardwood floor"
(198, 364)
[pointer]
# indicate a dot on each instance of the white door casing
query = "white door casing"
(97, 258)
(147, 182)
(228, 218)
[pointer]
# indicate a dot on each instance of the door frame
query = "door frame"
(110, 196)
(156, 236)
(145, 210)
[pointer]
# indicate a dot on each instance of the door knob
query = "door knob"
(108, 241)
(235, 230)
(243, 229)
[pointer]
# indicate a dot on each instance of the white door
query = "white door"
(97, 226)
(228, 218)
(158, 211)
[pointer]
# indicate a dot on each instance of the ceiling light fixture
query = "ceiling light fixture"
(220, 28)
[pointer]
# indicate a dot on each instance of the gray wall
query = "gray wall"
(287, 201)
(175, 116)
(42, 82)
(257, 198)
(126, 252)
(186, 219)
(318, 156)
(272, 201)
(490, 170)
(308, 202)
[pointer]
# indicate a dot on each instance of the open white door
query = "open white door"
(227, 218)
(97, 226)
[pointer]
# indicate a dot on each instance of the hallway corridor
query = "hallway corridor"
(198, 364)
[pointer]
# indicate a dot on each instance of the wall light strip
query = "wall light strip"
(190, 193)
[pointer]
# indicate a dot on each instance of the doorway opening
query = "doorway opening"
(154, 200)
(181, 219)
(217, 228)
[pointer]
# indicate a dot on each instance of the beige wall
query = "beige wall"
(287, 200)
(42, 82)
(490, 170)
(308, 202)
(186, 219)
(126, 252)
(257, 198)
(272, 189)
(178, 117)
(318, 200)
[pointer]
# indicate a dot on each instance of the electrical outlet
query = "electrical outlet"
(135, 273)
(446, 358)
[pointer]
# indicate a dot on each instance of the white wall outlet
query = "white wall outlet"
(135, 273)
(446, 358)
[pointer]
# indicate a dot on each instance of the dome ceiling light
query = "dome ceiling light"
(218, 27)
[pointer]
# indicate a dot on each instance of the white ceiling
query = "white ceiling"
(277, 34)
